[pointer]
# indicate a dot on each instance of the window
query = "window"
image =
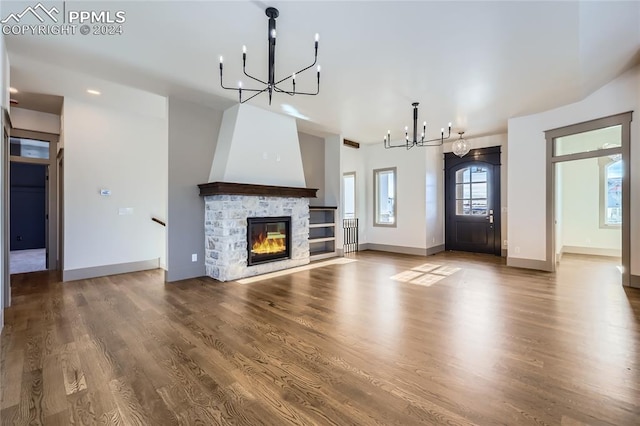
(588, 141)
(349, 202)
(384, 182)
(471, 191)
(29, 148)
(610, 192)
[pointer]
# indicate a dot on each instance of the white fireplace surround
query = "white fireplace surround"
(226, 233)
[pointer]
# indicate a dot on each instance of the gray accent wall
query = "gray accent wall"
(333, 181)
(193, 133)
(312, 151)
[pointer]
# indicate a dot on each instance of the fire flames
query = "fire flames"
(268, 244)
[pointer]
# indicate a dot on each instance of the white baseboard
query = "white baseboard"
(592, 251)
(104, 270)
(634, 281)
(538, 265)
(435, 249)
(397, 249)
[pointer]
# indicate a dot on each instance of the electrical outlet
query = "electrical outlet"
(517, 250)
(505, 243)
(194, 257)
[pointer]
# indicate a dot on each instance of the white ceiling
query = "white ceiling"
(473, 63)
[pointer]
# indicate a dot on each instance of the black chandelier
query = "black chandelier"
(271, 84)
(415, 142)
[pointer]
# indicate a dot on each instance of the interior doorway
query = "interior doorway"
(588, 191)
(589, 213)
(33, 201)
(472, 201)
(28, 213)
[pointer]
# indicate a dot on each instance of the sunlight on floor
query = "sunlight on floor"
(426, 274)
(338, 261)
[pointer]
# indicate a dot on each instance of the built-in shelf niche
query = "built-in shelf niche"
(322, 232)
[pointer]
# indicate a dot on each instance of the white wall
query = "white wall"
(353, 160)
(36, 121)
(4, 104)
(434, 196)
(312, 153)
(125, 152)
(527, 164)
(257, 146)
(4, 74)
(581, 231)
(411, 229)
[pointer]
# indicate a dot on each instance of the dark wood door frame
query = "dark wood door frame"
(488, 156)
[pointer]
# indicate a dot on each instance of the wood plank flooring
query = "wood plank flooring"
(336, 345)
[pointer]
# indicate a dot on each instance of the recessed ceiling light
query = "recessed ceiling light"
(13, 90)
(93, 92)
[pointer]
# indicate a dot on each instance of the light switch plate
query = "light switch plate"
(122, 211)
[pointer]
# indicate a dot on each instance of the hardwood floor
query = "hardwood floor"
(342, 344)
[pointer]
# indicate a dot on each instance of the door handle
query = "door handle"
(490, 218)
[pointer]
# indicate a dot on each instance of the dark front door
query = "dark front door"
(472, 194)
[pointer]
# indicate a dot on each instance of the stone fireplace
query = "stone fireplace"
(230, 210)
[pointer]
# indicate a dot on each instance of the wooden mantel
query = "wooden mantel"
(230, 188)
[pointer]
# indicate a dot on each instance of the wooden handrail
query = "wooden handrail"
(155, 219)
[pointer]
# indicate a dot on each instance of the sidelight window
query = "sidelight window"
(29, 148)
(385, 208)
(610, 192)
(349, 191)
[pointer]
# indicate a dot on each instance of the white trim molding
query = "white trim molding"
(105, 270)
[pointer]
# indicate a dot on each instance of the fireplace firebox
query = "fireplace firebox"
(268, 239)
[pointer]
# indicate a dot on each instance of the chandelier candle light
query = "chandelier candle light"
(271, 85)
(415, 142)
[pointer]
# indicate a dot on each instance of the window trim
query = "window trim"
(355, 194)
(375, 197)
(603, 163)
